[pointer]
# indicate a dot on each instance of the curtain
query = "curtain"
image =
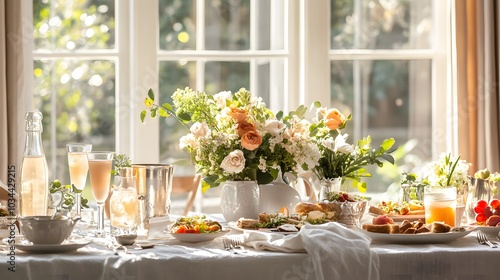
(475, 78)
(15, 41)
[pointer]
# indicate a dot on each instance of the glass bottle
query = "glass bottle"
(34, 173)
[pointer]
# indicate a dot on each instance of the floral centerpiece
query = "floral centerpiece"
(235, 137)
(340, 159)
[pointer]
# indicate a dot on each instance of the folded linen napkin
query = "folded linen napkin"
(334, 251)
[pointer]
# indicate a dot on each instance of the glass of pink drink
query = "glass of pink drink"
(78, 169)
(100, 178)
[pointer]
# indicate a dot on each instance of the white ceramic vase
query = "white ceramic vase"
(277, 195)
(240, 199)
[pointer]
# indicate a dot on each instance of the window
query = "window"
(95, 60)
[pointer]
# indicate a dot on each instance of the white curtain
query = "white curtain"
(15, 81)
(475, 78)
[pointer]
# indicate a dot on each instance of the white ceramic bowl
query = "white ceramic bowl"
(45, 229)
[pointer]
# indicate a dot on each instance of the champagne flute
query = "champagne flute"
(78, 169)
(100, 178)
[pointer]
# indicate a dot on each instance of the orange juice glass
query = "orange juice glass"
(440, 205)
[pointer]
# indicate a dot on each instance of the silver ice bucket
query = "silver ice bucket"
(154, 188)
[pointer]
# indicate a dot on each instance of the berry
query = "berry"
(478, 210)
(480, 219)
(487, 212)
(482, 203)
(495, 203)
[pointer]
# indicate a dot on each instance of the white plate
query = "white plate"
(420, 238)
(487, 229)
(66, 246)
(198, 237)
(400, 218)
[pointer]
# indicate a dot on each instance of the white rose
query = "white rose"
(274, 127)
(234, 162)
(200, 129)
(188, 141)
(221, 97)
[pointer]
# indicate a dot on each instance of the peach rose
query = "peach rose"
(244, 127)
(238, 114)
(251, 140)
(334, 118)
(234, 162)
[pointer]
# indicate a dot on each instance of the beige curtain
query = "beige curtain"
(15, 39)
(475, 78)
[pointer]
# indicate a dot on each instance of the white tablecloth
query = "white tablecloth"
(172, 259)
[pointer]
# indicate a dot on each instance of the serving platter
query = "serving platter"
(420, 238)
(198, 237)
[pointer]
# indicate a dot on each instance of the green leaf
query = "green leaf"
(148, 102)
(163, 113)
(167, 106)
(143, 115)
(184, 116)
(317, 104)
(153, 113)
(279, 115)
(388, 158)
(151, 94)
(387, 144)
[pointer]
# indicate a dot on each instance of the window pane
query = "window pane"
(77, 100)
(173, 75)
(222, 76)
(177, 24)
(73, 25)
(388, 24)
(387, 98)
(227, 25)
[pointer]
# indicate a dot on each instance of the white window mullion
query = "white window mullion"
(200, 44)
(124, 101)
(144, 47)
(316, 45)
(253, 44)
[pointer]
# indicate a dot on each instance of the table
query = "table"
(172, 259)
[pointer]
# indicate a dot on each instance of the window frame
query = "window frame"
(307, 57)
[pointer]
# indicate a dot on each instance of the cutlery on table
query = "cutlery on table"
(228, 246)
(483, 240)
(236, 242)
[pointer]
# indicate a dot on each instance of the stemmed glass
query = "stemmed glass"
(78, 169)
(100, 178)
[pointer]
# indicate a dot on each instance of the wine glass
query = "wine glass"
(78, 169)
(100, 178)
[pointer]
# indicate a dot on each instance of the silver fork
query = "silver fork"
(483, 240)
(236, 242)
(228, 246)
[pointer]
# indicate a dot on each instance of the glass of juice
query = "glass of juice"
(78, 169)
(100, 179)
(440, 205)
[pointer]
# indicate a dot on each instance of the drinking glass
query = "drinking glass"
(78, 169)
(440, 205)
(124, 208)
(100, 178)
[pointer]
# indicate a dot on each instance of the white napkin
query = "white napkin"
(335, 251)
